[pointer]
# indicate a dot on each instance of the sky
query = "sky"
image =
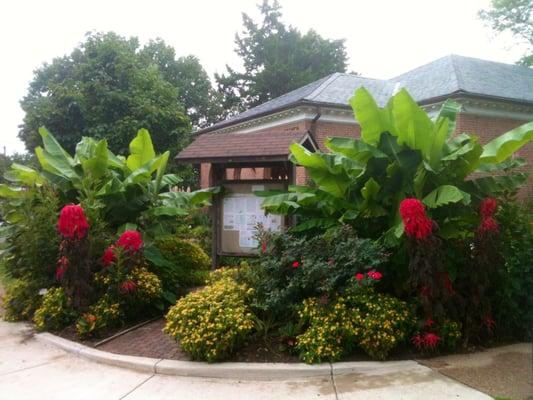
(384, 38)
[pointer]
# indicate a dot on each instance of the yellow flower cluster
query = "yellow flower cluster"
(211, 322)
(148, 285)
(54, 312)
(20, 301)
(374, 322)
(103, 314)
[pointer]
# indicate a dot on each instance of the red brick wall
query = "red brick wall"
(487, 128)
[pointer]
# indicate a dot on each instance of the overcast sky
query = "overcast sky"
(383, 38)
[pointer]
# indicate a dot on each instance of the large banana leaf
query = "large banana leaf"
(503, 147)
(141, 150)
(23, 175)
(444, 195)
(372, 119)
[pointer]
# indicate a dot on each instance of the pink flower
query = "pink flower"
(359, 276)
(109, 256)
(418, 341)
(130, 241)
(295, 264)
(128, 286)
(416, 223)
(429, 323)
(72, 223)
(375, 275)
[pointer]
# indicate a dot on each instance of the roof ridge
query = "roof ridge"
(456, 72)
(322, 86)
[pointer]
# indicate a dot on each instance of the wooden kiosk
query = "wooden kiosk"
(228, 161)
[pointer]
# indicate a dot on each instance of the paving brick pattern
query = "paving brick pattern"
(146, 341)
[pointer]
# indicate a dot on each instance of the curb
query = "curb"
(226, 370)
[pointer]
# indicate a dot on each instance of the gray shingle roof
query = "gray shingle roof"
(442, 77)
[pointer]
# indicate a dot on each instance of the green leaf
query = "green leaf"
(446, 194)
(10, 193)
(503, 147)
(141, 150)
(372, 119)
(128, 226)
(413, 126)
(55, 159)
(24, 175)
(354, 149)
(314, 223)
(161, 170)
(95, 164)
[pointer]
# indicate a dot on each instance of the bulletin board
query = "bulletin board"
(240, 214)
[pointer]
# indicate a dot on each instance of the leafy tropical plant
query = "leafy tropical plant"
(120, 188)
(402, 153)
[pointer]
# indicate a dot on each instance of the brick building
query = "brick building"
(495, 98)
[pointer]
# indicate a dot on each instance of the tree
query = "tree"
(202, 103)
(514, 16)
(104, 89)
(277, 59)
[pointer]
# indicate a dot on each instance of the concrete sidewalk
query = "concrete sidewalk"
(33, 370)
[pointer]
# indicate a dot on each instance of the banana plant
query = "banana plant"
(124, 187)
(402, 153)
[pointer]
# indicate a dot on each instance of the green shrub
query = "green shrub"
(55, 311)
(512, 293)
(212, 322)
(185, 264)
(20, 300)
(104, 314)
(32, 244)
(374, 322)
(294, 268)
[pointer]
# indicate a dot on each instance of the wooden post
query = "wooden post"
(217, 172)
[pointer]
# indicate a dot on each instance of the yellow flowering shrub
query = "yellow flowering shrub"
(102, 315)
(383, 322)
(210, 323)
(20, 300)
(55, 312)
(147, 284)
(374, 322)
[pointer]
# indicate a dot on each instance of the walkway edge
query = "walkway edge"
(225, 370)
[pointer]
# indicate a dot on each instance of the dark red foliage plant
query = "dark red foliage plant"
(428, 280)
(73, 267)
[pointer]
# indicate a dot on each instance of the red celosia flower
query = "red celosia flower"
(375, 275)
(295, 264)
(130, 241)
(109, 256)
(418, 341)
(62, 266)
(263, 246)
(415, 221)
(488, 225)
(431, 340)
(128, 286)
(429, 323)
(72, 223)
(359, 276)
(487, 207)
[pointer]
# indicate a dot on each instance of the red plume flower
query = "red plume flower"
(130, 241)
(488, 224)
(487, 207)
(415, 221)
(109, 256)
(296, 264)
(375, 275)
(72, 223)
(128, 286)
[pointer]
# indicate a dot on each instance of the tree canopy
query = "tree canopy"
(110, 87)
(277, 59)
(514, 16)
